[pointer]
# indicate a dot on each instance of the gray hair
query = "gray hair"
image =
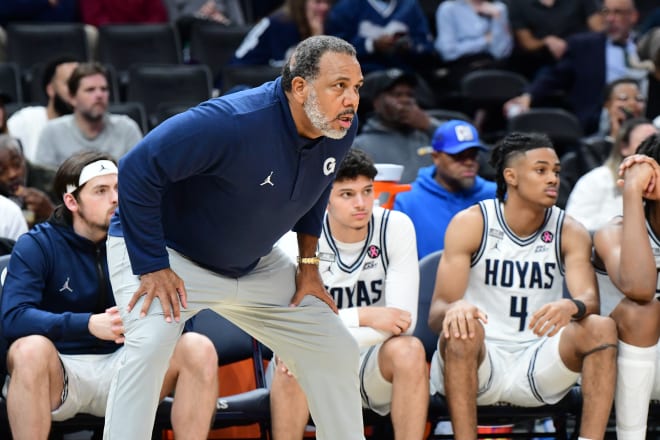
(304, 61)
(8, 142)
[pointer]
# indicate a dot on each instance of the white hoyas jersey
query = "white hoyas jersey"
(610, 295)
(512, 277)
(356, 271)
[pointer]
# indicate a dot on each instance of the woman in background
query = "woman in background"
(596, 198)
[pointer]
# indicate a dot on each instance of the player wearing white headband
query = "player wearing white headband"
(59, 314)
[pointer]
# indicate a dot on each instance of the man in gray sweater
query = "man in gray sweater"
(90, 127)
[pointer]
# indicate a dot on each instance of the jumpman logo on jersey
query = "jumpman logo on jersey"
(267, 180)
(65, 286)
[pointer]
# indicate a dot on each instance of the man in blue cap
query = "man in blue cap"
(448, 186)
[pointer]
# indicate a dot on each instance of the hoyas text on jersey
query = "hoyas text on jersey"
(361, 295)
(519, 274)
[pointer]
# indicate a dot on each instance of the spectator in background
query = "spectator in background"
(398, 129)
(385, 34)
(270, 41)
(90, 127)
(591, 61)
(541, 28)
(12, 222)
(623, 101)
(28, 185)
(26, 124)
(43, 11)
(648, 49)
(38, 11)
(596, 198)
(472, 34)
(184, 13)
(101, 12)
(448, 186)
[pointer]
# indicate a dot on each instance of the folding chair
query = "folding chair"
(446, 115)
(132, 109)
(562, 127)
(30, 44)
(233, 345)
(484, 92)
(214, 44)
(123, 45)
(248, 76)
(10, 81)
(168, 85)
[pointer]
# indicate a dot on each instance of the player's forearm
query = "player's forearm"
(637, 270)
(307, 245)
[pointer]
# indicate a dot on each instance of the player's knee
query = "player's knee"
(196, 353)
(31, 353)
(637, 320)
(407, 352)
(599, 332)
(462, 349)
(284, 383)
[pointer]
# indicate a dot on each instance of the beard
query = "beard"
(313, 111)
(91, 224)
(61, 106)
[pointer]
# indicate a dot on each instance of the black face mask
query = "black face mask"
(61, 106)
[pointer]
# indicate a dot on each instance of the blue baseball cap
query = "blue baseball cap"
(455, 136)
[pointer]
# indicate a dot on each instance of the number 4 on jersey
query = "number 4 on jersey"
(519, 313)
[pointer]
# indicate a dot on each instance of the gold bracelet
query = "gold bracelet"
(309, 260)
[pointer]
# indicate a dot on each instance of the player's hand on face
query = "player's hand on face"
(168, 287)
(461, 320)
(550, 318)
(309, 282)
(36, 201)
(643, 172)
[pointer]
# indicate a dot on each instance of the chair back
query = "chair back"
(29, 44)
(428, 268)
(123, 45)
(562, 127)
(492, 86)
(214, 44)
(168, 85)
(10, 81)
(385, 192)
(132, 109)
(249, 76)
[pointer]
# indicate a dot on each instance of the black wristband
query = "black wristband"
(582, 309)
